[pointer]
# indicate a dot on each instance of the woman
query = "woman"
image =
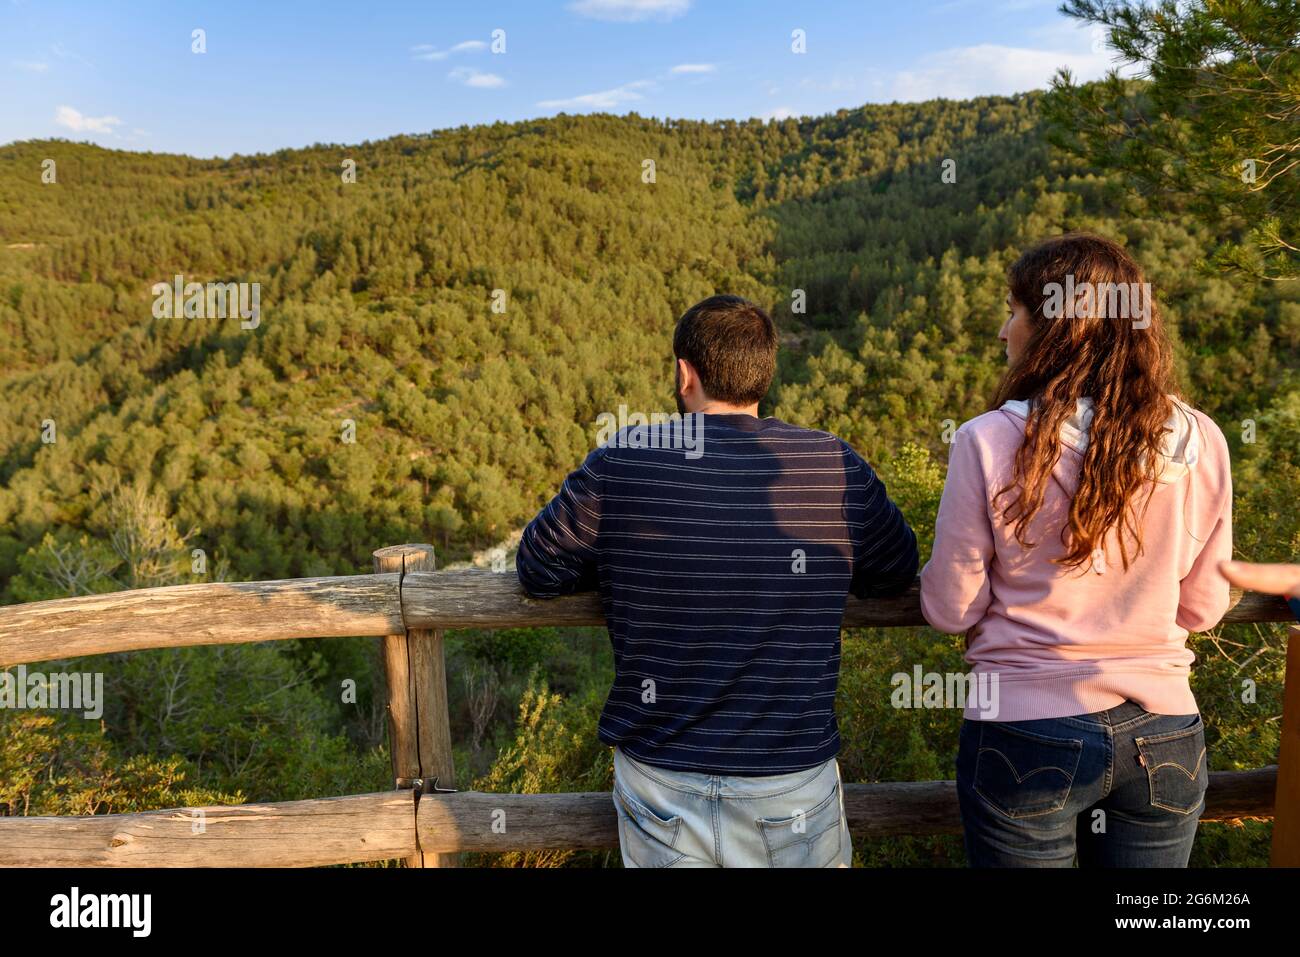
(1077, 544)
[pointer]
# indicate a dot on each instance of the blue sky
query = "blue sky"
(283, 74)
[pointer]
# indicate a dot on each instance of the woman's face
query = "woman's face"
(1015, 331)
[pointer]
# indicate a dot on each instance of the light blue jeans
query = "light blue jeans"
(687, 819)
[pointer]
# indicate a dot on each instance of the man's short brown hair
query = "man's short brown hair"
(732, 344)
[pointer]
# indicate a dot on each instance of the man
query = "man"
(723, 546)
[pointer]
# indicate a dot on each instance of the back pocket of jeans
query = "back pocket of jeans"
(648, 838)
(1023, 774)
(807, 838)
(1176, 767)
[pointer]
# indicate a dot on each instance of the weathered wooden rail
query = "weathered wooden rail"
(409, 606)
(358, 605)
(377, 827)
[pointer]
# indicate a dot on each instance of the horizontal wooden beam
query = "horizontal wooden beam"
(1252, 606)
(217, 613)
(474, 598)
(337, 830)
(357, 605)
(385, 826)
(494, 823)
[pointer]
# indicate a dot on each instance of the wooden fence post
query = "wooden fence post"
(419, 720)
(1286, 800)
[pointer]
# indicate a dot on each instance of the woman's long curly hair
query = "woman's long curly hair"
(1119, 357)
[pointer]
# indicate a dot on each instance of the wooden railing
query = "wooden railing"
(410, 605)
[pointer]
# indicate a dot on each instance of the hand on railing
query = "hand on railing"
(1281, 580)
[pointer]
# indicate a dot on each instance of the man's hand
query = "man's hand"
(1270, 579)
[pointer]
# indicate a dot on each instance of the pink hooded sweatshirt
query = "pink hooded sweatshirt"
(1065, 642)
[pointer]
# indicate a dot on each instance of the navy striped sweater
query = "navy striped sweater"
(723, 577)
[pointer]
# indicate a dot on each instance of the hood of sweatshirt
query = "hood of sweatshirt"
(1180, 450)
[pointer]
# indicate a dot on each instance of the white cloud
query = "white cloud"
(991, 69)
(629, 11)
(31, 66)
(628, 92)
(604, 100)
(75, 120)
(63, 53)
(425, 51)
(777, 113)
(476, 78)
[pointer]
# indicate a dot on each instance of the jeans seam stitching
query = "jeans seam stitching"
(646, 773)
(1016, 816)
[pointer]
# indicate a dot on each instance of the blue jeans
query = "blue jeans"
(1119, 788)
(687, 819)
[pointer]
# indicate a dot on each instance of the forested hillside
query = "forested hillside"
(377, 314)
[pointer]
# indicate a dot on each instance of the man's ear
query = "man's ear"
(686, 377)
